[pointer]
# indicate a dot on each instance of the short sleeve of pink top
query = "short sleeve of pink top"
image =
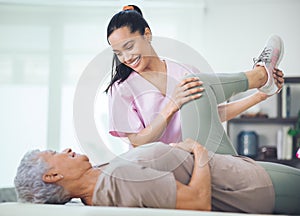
(135, 103)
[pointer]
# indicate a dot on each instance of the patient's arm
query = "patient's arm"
(197, 194)
(232, 109)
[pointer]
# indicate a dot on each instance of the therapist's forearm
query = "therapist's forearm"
(187, 90)
(155, 129)
(232, 109)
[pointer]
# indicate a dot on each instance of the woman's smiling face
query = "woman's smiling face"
(67, 163)
(132, 49)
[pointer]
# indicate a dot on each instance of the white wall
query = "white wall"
(44, 48)
(235, 31)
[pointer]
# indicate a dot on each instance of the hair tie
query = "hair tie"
(128, 7)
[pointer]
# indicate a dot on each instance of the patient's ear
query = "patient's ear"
(52, 177)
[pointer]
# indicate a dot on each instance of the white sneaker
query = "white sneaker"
(270, 59)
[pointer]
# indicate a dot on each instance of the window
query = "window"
(43, 51)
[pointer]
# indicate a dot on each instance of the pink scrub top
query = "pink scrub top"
(135, 103)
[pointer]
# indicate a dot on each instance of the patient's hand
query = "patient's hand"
(187, 145)
(192, 146)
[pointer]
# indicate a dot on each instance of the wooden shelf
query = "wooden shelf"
(262, 125)
(264, 120)
(292, 80)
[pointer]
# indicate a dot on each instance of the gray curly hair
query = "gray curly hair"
(30, 186)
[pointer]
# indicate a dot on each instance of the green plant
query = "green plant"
(296, 130)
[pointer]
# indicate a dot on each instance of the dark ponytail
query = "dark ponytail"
(131, 17)
(133, 8)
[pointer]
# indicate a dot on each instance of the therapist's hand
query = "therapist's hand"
(279, 78)
(188, 89)
(279, 81)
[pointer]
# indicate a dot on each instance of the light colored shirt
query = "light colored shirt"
(135, 103)
(146, 177)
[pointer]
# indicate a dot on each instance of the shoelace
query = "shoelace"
(264, 56)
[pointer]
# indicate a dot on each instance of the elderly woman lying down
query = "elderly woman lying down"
(183, 175)
(160, 176)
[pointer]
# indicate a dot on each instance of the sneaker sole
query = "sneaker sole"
(277, 63)
(281, 53)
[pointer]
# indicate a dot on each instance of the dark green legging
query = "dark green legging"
(200, 121)
(200, 118)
